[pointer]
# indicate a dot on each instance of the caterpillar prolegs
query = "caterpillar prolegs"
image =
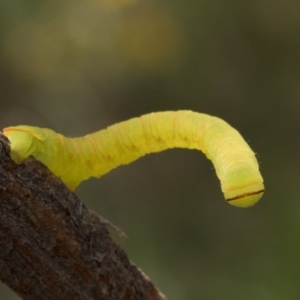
(76, 159)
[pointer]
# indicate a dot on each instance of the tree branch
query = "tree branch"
(53, 247)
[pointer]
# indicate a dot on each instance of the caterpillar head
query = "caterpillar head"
(24, 141)
(244, 187)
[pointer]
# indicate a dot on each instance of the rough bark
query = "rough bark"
(53, 247)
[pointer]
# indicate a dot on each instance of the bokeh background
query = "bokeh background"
(79, 66)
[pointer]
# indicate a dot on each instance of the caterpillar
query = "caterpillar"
(76, 159)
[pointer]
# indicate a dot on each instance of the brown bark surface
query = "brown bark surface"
(53, 247)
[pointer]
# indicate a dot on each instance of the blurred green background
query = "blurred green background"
(79, 66)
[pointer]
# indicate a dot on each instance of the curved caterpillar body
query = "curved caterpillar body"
(77, 159)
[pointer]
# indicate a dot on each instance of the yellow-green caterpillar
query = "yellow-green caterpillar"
(76, 159)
